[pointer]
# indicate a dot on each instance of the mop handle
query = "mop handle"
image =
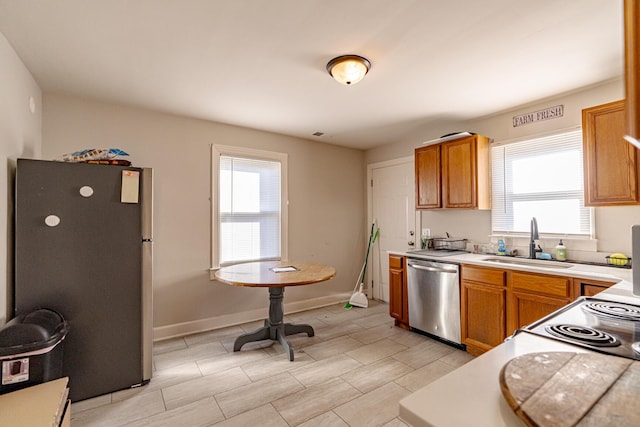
(372, 239)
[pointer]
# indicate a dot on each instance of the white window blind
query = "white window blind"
(542, 178)
(249, 209)
(249, 205)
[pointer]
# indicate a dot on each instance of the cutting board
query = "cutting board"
(573, 389)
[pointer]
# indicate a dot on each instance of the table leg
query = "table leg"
(257, 335)
(291, 329)
(274, 327)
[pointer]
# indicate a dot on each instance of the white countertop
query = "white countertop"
(471, 395)
(586, 271)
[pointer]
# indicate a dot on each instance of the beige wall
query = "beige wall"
(612, 224)
(326, 205)
(326, 184)
(20, 131)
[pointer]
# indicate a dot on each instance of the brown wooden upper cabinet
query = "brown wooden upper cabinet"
(632, 66)
(428, 188)
(454, 174)
(610, 163)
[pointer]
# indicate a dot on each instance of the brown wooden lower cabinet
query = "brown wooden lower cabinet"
(483, 317)
(531, 296)
(483, 308)
(398, 303)
(494, 302)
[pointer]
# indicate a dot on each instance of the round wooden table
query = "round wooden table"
(275, 275)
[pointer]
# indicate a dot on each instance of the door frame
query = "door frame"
(369, 185)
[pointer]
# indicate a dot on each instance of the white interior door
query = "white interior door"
(392, 206)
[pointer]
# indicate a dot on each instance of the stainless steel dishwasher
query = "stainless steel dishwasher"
(434, 299)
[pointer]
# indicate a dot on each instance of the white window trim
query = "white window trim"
(228, 150)
(588, 241)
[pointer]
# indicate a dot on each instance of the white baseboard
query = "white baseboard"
(203, 325)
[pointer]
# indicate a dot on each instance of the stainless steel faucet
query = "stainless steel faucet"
(534, 237)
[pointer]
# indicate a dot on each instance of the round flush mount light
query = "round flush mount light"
(348, 69)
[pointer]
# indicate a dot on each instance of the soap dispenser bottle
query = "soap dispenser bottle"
(561, 251)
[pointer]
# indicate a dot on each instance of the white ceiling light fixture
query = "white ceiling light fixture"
(348, 69)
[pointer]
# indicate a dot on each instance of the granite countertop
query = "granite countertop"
(471, 394)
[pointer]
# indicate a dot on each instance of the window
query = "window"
(542, 178)
(249, 198)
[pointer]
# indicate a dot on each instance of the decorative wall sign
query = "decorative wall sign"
(538, 116)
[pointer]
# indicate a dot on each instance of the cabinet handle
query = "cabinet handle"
(435, 269)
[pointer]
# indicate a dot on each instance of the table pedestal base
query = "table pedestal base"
(274, 327)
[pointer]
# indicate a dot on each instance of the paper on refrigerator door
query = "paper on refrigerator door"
(130, 186)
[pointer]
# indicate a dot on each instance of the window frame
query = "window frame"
(218, 150)
(587, 235)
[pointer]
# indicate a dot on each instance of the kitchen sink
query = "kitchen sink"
(528, 262)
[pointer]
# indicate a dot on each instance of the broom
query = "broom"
(359, 299)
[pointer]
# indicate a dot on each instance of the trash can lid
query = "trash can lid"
(38, 329)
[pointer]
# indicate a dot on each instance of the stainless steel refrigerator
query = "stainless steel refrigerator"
(83, 247)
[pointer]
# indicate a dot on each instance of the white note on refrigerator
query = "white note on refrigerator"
(130, 186)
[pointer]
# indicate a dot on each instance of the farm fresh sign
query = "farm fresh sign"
(538, 116)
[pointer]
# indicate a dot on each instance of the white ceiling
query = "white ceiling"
(261, 63)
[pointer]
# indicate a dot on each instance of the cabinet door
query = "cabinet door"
(428, 191)
(396, 294)
(398, 304)
(525, 308)
(459, 173)
(610, 162)
(632, 65)
(482, 316)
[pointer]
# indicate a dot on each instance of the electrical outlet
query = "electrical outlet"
(426, 232)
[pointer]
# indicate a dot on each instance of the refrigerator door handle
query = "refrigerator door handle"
(147, 274)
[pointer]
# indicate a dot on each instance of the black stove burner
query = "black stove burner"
(583, 334)
(613, 309)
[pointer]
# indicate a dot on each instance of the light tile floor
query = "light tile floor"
(353, 372)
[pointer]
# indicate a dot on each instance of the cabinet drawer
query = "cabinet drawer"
(548, 285)
(591, 290)
(396, 262)
(490, 276)
(587, 287)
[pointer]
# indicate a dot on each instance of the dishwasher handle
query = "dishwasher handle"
(434, 269)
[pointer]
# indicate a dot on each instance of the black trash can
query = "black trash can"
(31, 348)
